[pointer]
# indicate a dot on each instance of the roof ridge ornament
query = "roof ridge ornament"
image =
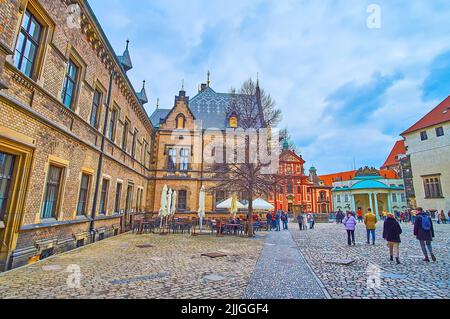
(208, 81)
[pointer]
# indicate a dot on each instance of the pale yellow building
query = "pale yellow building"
(428, 145)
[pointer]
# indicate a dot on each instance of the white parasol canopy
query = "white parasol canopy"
(163, 210)
(261, 204)
(227, 204)
(169, 202)
(201, 206)
(173, 210)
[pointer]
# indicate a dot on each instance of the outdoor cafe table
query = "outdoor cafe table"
(234, 227)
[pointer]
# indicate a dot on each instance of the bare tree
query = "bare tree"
(256, 112)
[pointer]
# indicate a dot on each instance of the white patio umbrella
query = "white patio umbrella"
(163, 209)
(234, 206)
(228, 203)
(173, 210)
(261, 204)
(169, 203)
(201, 206)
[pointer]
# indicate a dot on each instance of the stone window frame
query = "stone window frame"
(428, 182)
(116, 210)
(440, 131)
(112, 137)
(423, 136)
(90, 173)
(64, 165)
(99, 88)
(177, 119)
(73, 56)
(134, 143)
(48, 29)
(106, 201)
(125, 132)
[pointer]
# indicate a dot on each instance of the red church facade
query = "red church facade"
(299, 191)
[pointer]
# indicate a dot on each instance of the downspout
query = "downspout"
(100, 161)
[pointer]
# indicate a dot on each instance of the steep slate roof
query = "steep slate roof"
(399, 149)
(210, 108)
(438, 115)
(207, 106)
(158, 115)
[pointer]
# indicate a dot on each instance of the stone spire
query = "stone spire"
(125, 59)
(142, 96)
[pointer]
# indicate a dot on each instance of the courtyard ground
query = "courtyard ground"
(290, 264)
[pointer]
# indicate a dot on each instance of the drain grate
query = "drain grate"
(145, 246)
(214, 255)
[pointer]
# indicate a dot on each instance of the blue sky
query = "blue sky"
(346, 91)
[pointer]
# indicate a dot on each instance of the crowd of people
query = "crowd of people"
(392, 230)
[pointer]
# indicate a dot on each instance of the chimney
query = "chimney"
(203, 87)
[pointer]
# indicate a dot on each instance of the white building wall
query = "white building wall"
(430, 157)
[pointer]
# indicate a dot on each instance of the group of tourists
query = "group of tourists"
(275, 219)
(423, 230)
(306, 220)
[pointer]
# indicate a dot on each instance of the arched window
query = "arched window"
(180, 121)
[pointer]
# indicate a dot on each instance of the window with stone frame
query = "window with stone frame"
(117, 198)
(52, 192)
(182, 200)
(6, 175)
(220, 196)
(439, 131)
(180, 121)
(83, 196)
(184, 159)
(172, 159)
(133, 144)
(112, 124)
(104, 197)
(126, 129)
(96, 109)
(70, 84)
(28, 44)
(432, 186)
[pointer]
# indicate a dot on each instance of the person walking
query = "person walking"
(391, 233)
(285, 220)
(350, 225)
(424, 232)
(370, 220)
(274, 220)
(312, 222)
(443, 219)
(305, 221)
(278, 221)
(300, 221)
(359, 213)
(269, 221)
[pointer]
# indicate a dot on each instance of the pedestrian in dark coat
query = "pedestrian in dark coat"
(424, 234)
(391, 233)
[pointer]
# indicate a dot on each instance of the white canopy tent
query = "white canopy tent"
(228, 203)
(261, 204)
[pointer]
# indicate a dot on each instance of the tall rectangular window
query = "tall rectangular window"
(104, 197)
(84, 194)
(184, 159)
(439, 131)
(144, 153)
(27, 44)
(433, 187)
(112, 124)
(95, 113)
(126, 128)
(138, 200)
(6, 175)
(117, 198)
(394, 198)
(133, 144)
(70, 84)
(129, 202)
(220, 197)
(182, 200)
(172, 161)
(52, 192)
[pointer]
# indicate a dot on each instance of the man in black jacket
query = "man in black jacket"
(391, 233)
(424, 232)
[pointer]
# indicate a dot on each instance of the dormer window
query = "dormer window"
(180, 121)
(233, 121)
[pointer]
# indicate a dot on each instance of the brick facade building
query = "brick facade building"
(75, 140)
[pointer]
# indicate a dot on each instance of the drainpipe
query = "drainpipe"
(100, 161)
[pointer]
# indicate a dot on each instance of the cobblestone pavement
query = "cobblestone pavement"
(413, 279)
(117, 268)
(282, 273)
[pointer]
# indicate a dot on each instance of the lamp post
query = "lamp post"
(401, 157)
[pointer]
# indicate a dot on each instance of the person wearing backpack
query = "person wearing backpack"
(391, 233)
(424, 232)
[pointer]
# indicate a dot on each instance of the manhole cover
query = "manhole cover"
(52, 268)
(342, 262)
(392, 276)
(140, 278)
(214, 255)
(145, 246)
(214, 278)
